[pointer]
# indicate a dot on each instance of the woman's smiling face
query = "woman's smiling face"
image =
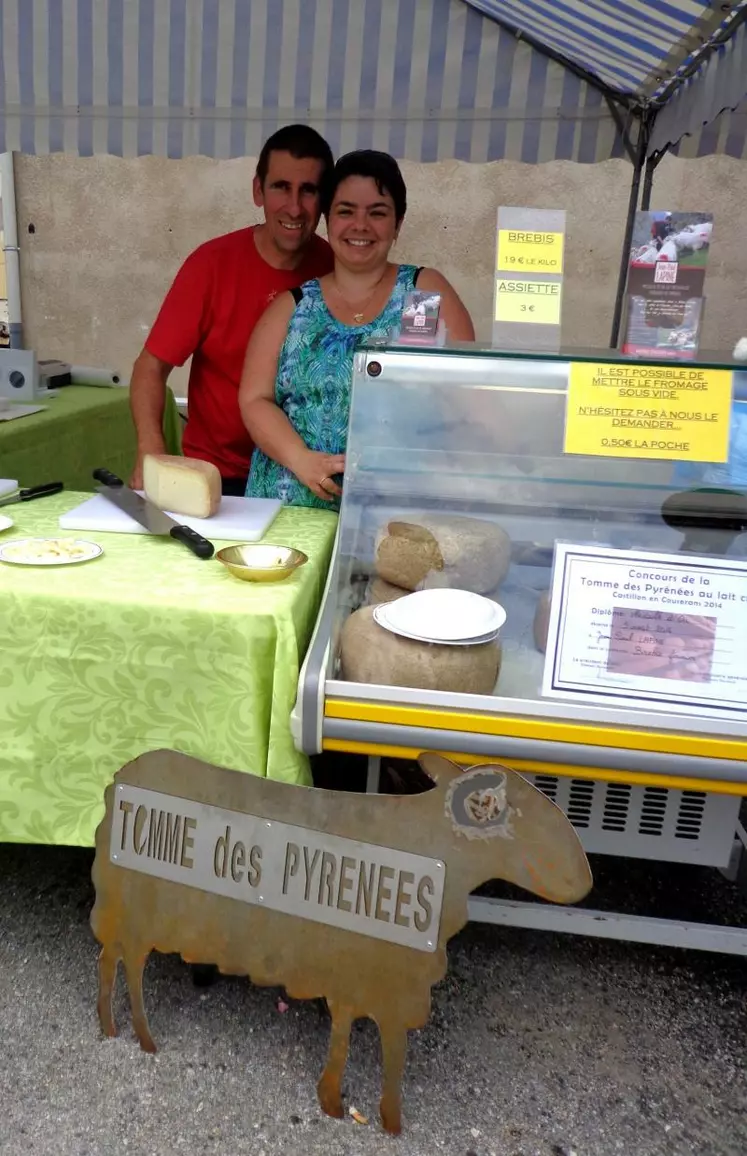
(362, 225)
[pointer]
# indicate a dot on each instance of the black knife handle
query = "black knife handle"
(107, 478)
(193, 541)
(41, 491)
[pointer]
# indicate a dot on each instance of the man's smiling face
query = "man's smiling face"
(290, 199)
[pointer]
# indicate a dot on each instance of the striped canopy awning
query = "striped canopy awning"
(708, 114)
(524, 80)
(635, 47)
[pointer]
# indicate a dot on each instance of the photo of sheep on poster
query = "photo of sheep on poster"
(676, 238)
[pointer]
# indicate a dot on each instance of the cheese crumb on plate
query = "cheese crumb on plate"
(48, 551)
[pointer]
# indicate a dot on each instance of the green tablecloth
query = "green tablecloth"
(142, 648)
(83, 427)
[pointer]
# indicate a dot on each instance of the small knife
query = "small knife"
(148, 515)
(42, 491)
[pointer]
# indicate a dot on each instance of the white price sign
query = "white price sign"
(666, 629)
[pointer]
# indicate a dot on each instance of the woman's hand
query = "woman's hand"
(317, 470)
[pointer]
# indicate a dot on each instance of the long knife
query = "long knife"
(42, 491)
(148, 515)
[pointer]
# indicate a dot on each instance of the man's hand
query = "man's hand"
(136, 478)
(316, 472)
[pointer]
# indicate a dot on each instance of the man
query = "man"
(218, 296)
(661, 227)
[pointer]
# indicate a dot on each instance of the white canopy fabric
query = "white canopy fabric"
(423, 79)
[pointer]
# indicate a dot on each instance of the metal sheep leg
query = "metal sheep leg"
(394, 1053)
(134, 965)
(108, 960)
(329, 1088)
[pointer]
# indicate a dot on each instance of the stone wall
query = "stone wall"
(102, 237)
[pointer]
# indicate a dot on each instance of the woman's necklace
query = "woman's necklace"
(361, 308)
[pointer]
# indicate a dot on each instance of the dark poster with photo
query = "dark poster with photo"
(666, 278)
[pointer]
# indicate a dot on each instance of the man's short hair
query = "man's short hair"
(302, 142)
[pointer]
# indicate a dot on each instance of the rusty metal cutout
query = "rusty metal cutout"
(351, 898)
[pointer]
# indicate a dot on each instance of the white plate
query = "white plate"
(445, 615)
(48, 551)
(5, 523)
(381, 618)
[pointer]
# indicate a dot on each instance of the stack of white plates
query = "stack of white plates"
(445, 617)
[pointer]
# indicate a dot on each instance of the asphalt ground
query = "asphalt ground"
(538, 1044)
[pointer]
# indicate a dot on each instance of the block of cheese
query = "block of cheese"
(182, 485)
(443, 550)
(379, 590)
(371, 654)
(542, 621)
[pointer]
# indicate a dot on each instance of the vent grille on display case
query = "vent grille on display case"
(580, 801)
(646, 822)
(690, 818)
(616, 807)
(653, 811)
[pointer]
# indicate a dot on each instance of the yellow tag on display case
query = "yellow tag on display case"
(675, 412)
(532, 302)
(529, 251)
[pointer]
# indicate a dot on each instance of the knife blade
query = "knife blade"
(148, 515)
(42, 491)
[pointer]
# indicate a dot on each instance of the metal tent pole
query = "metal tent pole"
(644, 135)
(648, 179)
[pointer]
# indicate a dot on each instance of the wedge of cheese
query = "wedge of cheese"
(182, 485)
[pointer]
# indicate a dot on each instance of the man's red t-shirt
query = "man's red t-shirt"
(209, 313)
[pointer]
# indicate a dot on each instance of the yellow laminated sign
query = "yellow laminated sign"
(527, 251)
(534, 302)
(675, 412)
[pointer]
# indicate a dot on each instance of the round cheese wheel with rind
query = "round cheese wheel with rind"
(443, 551)
(371, 654)
(379, 590)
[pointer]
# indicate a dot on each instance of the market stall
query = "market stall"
(80, 425)
(141, 648)
(477, 81)
(438, 80)
(600, 503)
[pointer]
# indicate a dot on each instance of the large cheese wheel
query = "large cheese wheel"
(182, 485)
(444, 550)
(371, 654)
(379, 590)
(542, 621)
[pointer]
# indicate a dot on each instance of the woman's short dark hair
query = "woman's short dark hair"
(380, 167)
(302, 142)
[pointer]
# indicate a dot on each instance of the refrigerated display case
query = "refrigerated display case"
(457, 475)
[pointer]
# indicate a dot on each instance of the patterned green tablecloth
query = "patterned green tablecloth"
(80, 429)
(142, 648)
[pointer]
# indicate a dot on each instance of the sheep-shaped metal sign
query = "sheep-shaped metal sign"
(347, 897)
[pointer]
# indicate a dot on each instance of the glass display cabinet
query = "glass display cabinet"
(494, 473)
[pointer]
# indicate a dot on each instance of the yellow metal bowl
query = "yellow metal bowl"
(259, 562)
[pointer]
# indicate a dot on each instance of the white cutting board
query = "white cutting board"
(7, 486)
(237, 520)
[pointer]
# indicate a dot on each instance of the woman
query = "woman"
(295, 387)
